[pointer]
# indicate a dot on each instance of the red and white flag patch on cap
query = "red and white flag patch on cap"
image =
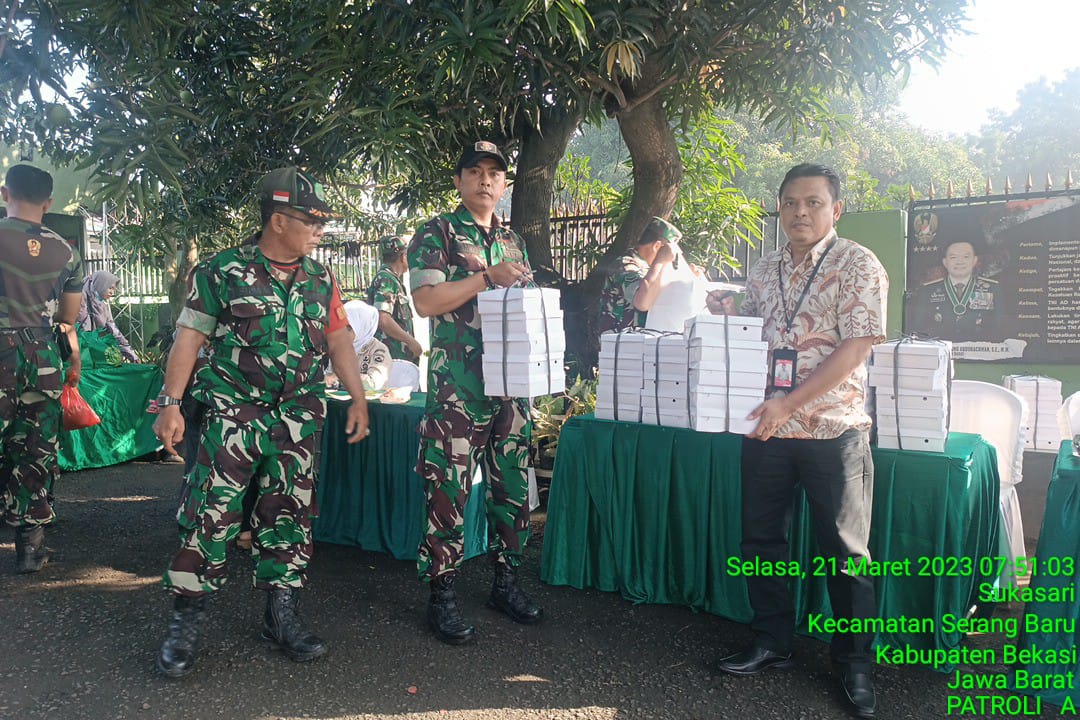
(281, 196)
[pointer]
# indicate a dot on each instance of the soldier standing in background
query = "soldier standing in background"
(387, 295)
(632, 288)
(41, 281)
(271, 314)
(452, 259)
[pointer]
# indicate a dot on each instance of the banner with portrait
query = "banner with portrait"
(1000, 279)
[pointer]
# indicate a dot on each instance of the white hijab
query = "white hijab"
(364, 320)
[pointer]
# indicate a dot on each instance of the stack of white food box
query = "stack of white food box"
(708, 378)
(1043, 398)
(524, 342)
(728, 371)
(665, 394)
(618, 392)
(911, 379)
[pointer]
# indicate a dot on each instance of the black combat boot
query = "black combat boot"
(283, 627)
(177, 656)
(30, 551)
(508, 597)
(444, 615)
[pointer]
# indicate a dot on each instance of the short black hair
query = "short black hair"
(28, 183)
(266, 209)
(812, 170)
(976, 246)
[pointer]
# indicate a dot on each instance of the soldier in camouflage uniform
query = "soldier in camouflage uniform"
(388, 296)
(271, 314)
(633, 285)
(452, 258)
(41, 280)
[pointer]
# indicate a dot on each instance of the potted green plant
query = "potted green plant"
(549, 415)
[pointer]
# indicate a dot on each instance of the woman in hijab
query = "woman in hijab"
(95, 312)
(374, 356)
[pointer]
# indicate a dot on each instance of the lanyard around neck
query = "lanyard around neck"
(790, 319)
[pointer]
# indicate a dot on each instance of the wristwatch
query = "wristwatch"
(164, 400)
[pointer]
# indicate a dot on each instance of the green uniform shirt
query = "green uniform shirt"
(387, 294)
(617, 298)
(448, 248)
(267, 340)
(36, 267)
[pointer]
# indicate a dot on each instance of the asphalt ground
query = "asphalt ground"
(81, 636)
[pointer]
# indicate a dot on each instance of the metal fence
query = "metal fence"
(579, 240)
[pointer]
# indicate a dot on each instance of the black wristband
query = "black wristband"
(489, 282)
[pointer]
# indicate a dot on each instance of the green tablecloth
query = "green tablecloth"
(1057, 560)
(654, 513)
(119, 395)
(369, 493)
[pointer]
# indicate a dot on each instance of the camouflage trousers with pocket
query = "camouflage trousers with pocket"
(31, 377)
(452, 445)
(232, 454)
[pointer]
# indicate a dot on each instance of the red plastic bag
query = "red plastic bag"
(77, 414)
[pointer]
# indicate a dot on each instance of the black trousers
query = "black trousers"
(838, 477)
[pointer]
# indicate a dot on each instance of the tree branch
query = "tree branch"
(7, 27)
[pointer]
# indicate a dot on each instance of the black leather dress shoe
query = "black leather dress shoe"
(859, 692)
(753, 660)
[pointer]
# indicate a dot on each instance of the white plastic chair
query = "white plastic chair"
(998, 414)
(404, 374)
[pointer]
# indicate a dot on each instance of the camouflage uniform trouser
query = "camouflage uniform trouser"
(451, 446)
(30, 383)
(231, 455)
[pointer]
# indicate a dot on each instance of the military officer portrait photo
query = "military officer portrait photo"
(962, 306)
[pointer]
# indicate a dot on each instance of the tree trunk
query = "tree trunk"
(658, 173)
(530, 208)
(658, 169)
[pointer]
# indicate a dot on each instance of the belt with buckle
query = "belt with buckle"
(15, 337)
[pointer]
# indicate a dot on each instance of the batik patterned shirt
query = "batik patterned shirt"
(847, 299)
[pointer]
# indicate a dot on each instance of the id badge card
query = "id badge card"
(784, 366)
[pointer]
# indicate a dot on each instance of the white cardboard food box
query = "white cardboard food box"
(631, 413)
(910, 399)
(525, 377)
(666, 419)
(626, 396)
(917, 353)
(626, 367)
(1043, 436)
(720, 378)
(738, 426)
(517, 346)
(665, 348)
(518, 324)
(533, 301)
(923, 380)
(666, 388)
(745, 355)
(665, 370)
(911, 442)
(670, 405)
(711, 328)
(912, 424)
(625, 341)
(722, 401)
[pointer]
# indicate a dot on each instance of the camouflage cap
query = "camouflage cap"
(297, 189)
(660, 229)
(478, 151)
(391, 245)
